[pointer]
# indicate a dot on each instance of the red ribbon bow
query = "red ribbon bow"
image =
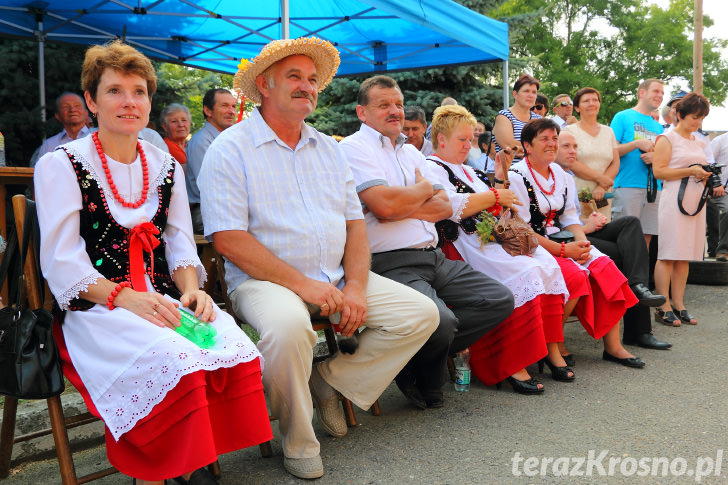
(141, 238)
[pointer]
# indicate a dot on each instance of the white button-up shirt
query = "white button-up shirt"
(375, 161)
(294, 202)
(719, 146)
(53, 142)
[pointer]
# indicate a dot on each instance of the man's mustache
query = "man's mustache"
(303, 94)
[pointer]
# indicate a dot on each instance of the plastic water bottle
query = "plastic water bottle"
(2, 150)
(195, 330)
(462, 371)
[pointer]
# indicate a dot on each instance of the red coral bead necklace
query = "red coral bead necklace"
(112, 185)
(551, 174)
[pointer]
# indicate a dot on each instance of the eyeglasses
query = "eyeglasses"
(537, 107)
(566, 103)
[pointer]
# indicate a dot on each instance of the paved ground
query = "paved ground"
(675, 409)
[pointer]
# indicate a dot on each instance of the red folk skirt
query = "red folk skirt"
(208, 413)
(519, 340)
(603, 291)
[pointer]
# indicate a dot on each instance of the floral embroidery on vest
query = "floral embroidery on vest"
(538, 220)
(447, 230)
(107, 241)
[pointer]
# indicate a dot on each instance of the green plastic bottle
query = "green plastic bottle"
(195, 330)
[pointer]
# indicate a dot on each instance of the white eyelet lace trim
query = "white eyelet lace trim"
(458, 212)
(104, 184)
(145, 383)
(73, 292)
(526, 288)
(183, 263)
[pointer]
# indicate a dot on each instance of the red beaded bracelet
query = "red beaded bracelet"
(563, 250)
(114, 292)
(495, 209)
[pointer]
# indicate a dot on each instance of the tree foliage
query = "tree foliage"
(477, 87)
(612, 45)
(20, 118)
(185, 85)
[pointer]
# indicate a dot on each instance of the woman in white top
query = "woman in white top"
(533, 330)
(597, 158)
(116, 238)
(592, 277)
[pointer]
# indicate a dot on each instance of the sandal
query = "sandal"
(667, 318)
(684, 316)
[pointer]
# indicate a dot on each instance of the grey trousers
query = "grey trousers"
(470, 305)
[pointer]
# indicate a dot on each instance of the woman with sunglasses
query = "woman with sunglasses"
(509, 122)
(541, 107)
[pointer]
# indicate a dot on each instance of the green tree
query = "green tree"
(185, 85)
(612, 45)
(20, 119)
(477, 87)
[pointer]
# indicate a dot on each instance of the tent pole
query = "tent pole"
(285, 20)
(505, 84)
(41, 68)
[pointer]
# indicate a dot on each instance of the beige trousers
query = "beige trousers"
(399, 322)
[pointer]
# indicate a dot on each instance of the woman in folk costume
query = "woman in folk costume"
(116, 238)
(533, 330)
(598, 291)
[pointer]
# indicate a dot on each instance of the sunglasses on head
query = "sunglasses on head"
(537, 107)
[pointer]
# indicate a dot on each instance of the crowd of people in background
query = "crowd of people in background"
(377, 232)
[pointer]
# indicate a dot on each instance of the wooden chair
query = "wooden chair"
(59, 423)
(318, 324)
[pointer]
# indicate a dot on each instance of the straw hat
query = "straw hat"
(324, 55)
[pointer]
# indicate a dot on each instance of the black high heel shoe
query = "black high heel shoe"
(523, 387)
(569, 359)
(557, 373)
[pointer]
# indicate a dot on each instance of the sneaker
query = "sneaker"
(304, 467)
(328, 408)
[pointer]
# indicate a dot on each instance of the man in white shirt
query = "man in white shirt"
(563, 108)
(717, 206)
(279, 201)
(401, 207)
(71, 112)
(414, 129)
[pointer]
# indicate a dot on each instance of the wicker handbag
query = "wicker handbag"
(514, 234)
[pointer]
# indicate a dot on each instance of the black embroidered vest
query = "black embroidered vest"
(537, 218)
(447, 230)
(107, 242)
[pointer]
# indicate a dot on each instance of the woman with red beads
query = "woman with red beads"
(116, 243)
(534, 329)
(598, 291)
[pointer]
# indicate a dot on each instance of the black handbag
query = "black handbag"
(29, 363)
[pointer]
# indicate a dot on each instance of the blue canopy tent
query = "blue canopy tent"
(371, 35)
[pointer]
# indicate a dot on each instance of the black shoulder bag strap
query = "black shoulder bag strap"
(651, 185)
(707, 190)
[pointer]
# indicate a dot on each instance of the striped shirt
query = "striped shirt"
(294, 202)
(517, 127)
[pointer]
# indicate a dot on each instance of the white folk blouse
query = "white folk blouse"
(526, 276)
(126, 363)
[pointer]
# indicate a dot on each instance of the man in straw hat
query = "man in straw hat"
(280, 203)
